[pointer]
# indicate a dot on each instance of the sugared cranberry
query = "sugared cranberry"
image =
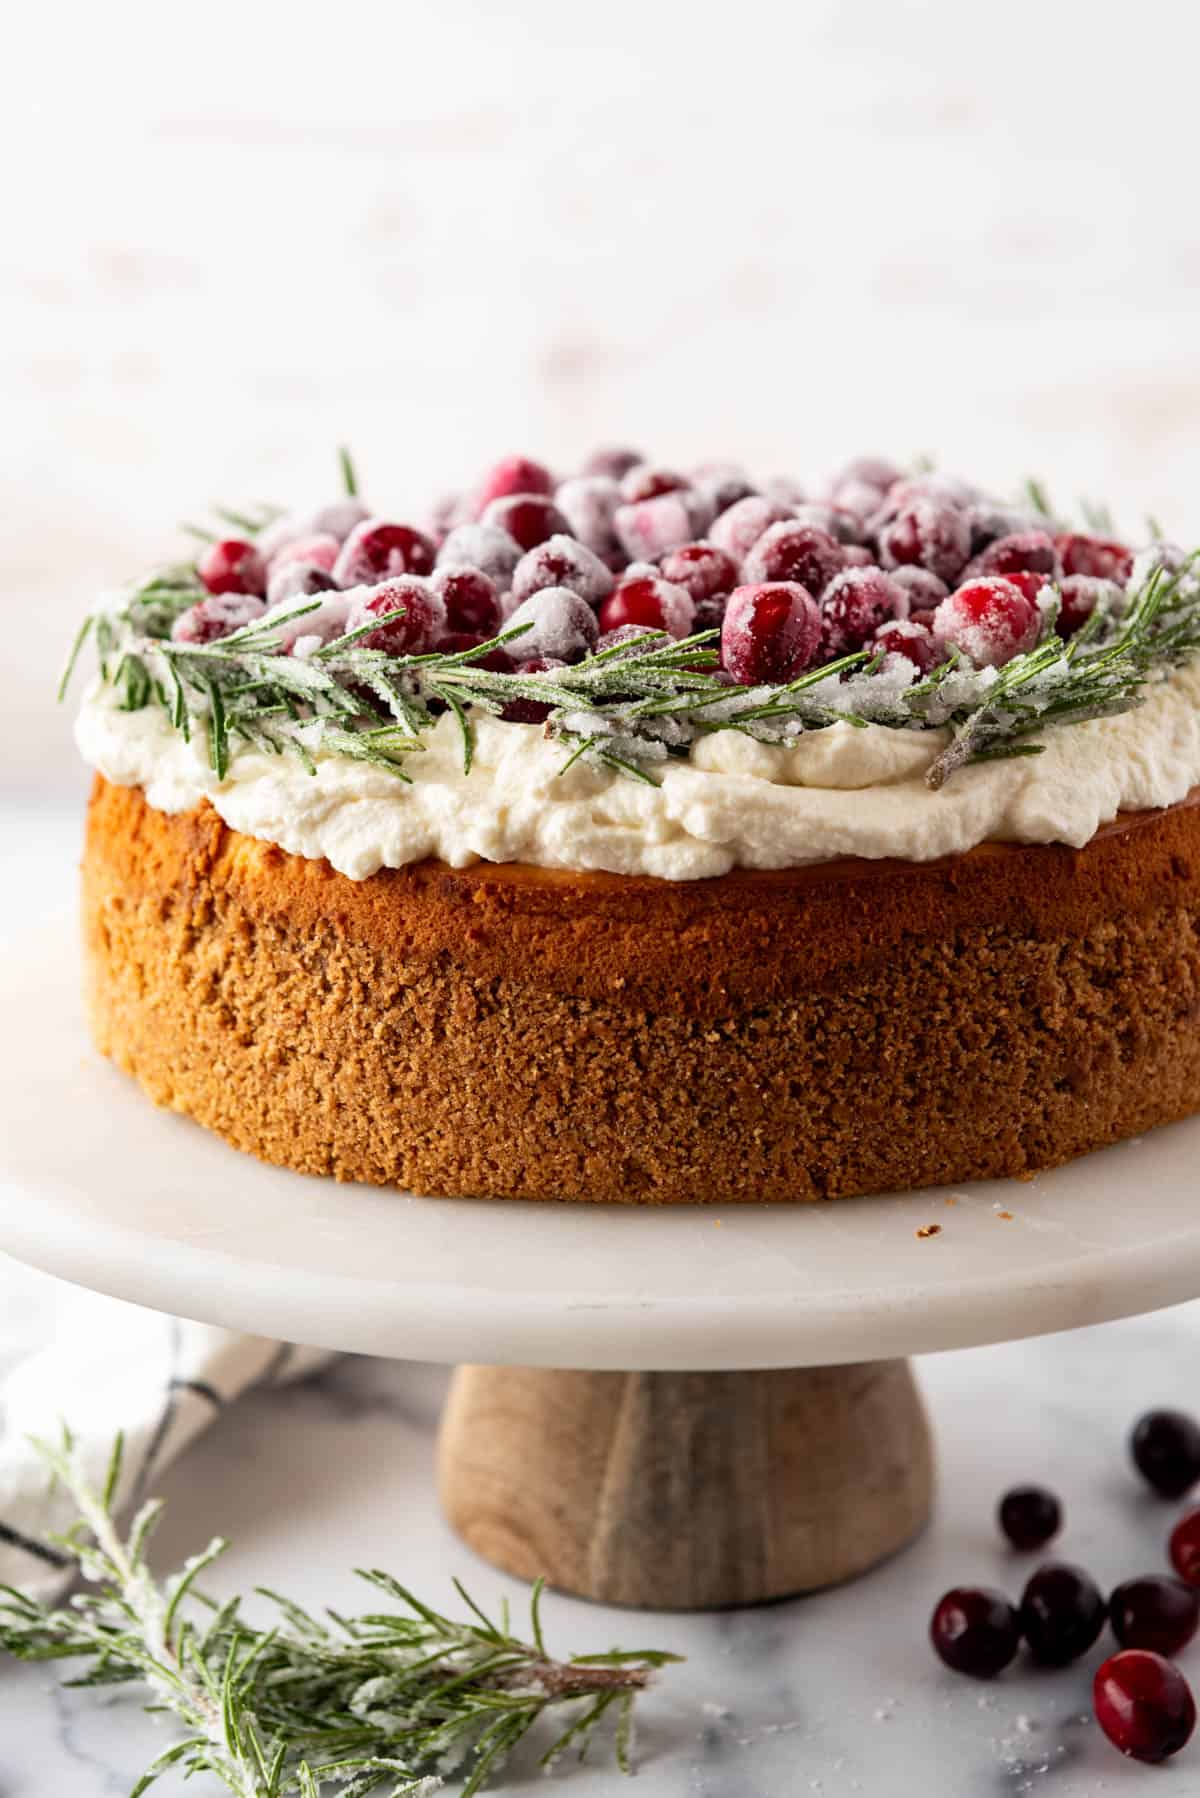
(614, 463)
(1030, 552)
(1092, 555)
(413, 634)
(915, 642)
(857, 555)
(1165, 1446)
(1155, 1612)
(1062, 1613)
(217, 616)
(853, 606)
(561, 626)
(651, 527)
(562, 562)
(795, 552)
(646, 481)
(927, 533)
(338, 518)
(871, 471)
(1184, 1548)
(975, 1631)
(470, 598)
(296, 580)
(321, 550)
(989, 621)
(989, 522)
(652, 602)
(531, 711)
(738, 529)
(529, 518)
(1029, 583)
(925, 591)
(1144, 1705)
(376, 551)
(232, 566)
(589, 505)
(702, 568)
(722, 487)
(770, 633)
(710, 613)
(482, 546)
(1080, 595)
(1029, 1516)
(516, 474)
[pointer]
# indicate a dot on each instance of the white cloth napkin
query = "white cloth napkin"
(115, 1367)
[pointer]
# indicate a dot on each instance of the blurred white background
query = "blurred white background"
(239, 234)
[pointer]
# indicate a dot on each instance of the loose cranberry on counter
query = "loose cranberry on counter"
(989, 621)
(645, 481)
(1184, 1548)
(376, 551)
(1024, 551)
(738, 529)
(482, 546)
(854, 606)
(652, 602)
(529, 518)
(1144, 1705)
(1155, 1612)
(516, 474)
(653, 527)
(531, 711)
(975, 1631)
(703, 569)
(217, 616)
(770, 633)
(1029, 1516)
(1094, 556)
(614, 463)
(795, 552)
(470, 598)
(562, 562)
(915, 642)
(1062, 1613)
(930, 534)
(232, 566)
(413, 634)
(1165, 1446)
(562, 626)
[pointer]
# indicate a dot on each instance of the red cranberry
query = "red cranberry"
(562, 626)
(925, 591)
(1144, 1705)
(989, 522)
(296, 580)
(652, 527)
(652, 602)
(470, 598)
(217, 616)
(706, 571)
(975, 1631)
(338, 518)
(232, 566)
(482, 546)
(710, 613)
(1031, 551)
(930, 534)
(645, 481)
(531, 711)
(722, 487)
(516, 474)
(795, 552)
(1185, 1548)
(1080, 594)
(321, 550)
(914, 641)
(374, 551)
(1029, 1516)
(630, 637)
(871, 471)
(562, 562)
(589, 504)
(990, 621)
(1062, 1613)
(1165, 1446)
(1028, 582)
(614, 463)
(413, 634)
(1092, 555)
(529, 518)
(853, 606)
(857, 555)
(737, 530)
(1157, 1613)
(770, 633)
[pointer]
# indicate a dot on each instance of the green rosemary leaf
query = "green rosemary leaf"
(81, 637)
(349, 474)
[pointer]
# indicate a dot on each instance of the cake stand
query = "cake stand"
(684, 1407)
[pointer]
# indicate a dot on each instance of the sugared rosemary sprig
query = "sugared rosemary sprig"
(395, 1699)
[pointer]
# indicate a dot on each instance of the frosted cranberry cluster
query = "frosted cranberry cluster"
(912, 566)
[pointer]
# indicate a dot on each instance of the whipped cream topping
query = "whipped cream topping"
(733, 803)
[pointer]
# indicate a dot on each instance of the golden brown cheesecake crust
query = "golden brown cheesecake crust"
(515, 1032)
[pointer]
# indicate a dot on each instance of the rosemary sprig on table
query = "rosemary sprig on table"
(393, 1699)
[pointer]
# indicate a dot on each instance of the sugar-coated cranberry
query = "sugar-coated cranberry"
(1155, 1612)
(613, 463)
(1029, 583)
(710, 613)
(320, 549)
(628, 637)
(989, 621)
(923, 615)
(1029, 1516)
(1144, 1705)
(702, 568)
(989, 522)
(1165, 1446)
(925, 591)
(470, 598)
(413, 634)
(647, 481)
(871, 471)
(562, 626)
(232, 566)
(853, 606)
(531, 711)
(857, 555)
(858, 498)
(1185, 1548)
(794, 552)
(652, 602)
(738, 529)
(975, 1631)
(1062, 1613)
(529, 518)
(562, 562)
(376, 551)
(928, 533)
(770, 633)
(649, 528)
(338, 518)
(482, 546)
(915, 642)
(722, 487)
(1024, 551)
(296, 580)
(1092, 555)
(516, 474)
(589, 504)
(1080, 595)
(219, 615)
